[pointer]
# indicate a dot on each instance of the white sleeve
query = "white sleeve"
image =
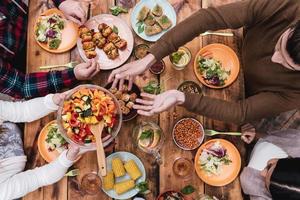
(27, 111)
(25, 182)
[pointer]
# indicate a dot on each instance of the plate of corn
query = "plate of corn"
(124, 171)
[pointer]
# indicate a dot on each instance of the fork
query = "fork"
(74, 172)
(213, 132)
(217, 33)
(68, 65)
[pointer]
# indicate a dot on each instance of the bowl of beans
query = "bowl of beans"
(188, 134)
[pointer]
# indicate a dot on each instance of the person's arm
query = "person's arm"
(19, 85)
(21, 184)
(262, 105)
(234, 15)
(27, 111)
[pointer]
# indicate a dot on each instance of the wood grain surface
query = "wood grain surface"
(160, 177)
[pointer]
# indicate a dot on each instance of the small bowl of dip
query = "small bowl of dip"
(158, 67)
(181, 58)
(141, 50)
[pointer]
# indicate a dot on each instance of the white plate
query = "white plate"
(124, 32)
(167, 10)
(125, 156)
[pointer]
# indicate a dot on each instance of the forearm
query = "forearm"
(203, 20)
(27, 111)
(30, 180)
(19, 85)
(256, 107)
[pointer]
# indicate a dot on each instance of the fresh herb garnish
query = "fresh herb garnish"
(152, 88)
(141, 28)
(143, 187)
(54, 43)
(146, 134)
(115, 29)
(189, 189)
(116, 10)
(176, 56)
(164, 19)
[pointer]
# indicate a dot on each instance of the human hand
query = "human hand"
(248, 133)
(177, 4)
(59, 97)
(74, 152)
(154, 104)
(73, 11)
(130, 70)
(86, 71)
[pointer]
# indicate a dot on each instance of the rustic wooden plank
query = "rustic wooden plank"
(171, 80)
(35, 58)
(232, 93)
(88, 162)
(125, 141)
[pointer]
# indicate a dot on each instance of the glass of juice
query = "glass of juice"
(149, 137)
(91, 184)
(183, 167)
(181, 58)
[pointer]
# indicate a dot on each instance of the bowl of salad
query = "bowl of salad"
(86, 105)
(217, 162)
(216, 66)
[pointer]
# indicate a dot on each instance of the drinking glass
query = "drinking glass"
(91, 184)
(153, 143)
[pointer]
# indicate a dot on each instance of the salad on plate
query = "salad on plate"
(48, 30)
(55, 140)
(212, 71)
(213, 158)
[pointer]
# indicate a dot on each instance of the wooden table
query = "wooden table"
(161, 177)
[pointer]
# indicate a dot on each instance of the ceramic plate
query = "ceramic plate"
(229, 172)
(124, 32)
(69, 34)
(125, 156)
(226, 56)
(42, 145)
(168, 10)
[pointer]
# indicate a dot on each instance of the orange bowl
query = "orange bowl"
(226, 56)
(69, 33)
(229, 172)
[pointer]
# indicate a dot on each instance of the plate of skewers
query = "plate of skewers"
(106, 38)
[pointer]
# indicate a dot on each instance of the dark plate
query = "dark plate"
(135, 89)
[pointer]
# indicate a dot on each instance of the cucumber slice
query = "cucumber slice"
(87, 140)
(85, 98)
(78, 109)
(87, 113)
(86, 107)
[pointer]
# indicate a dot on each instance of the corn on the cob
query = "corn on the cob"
(118, 167)
(124, 186)
(109, 181)
(132, 169)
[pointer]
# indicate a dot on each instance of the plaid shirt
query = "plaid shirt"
(13, 29)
